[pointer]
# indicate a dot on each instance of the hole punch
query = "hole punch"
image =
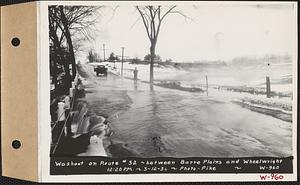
(16, 144)
(15, 41)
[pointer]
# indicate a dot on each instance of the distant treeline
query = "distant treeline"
(183, 65)
(237, 61)
(267, 59)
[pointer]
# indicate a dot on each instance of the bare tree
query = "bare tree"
(67, 34)
(57, 38)
(69, 23)
(80, 19)
(152, 17)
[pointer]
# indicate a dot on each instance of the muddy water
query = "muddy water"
(171, 124)
(174, 123)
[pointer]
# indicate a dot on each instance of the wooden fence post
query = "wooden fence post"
(135, 74)
(268, 86)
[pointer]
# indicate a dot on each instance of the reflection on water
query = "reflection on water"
(173, 123)
(182, 124)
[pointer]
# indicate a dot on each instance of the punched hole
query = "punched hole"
(15, 41)
(16, 144)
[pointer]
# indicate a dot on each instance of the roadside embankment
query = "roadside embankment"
(273, 108)
(88, 129)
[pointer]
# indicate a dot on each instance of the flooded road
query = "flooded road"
(174, 123)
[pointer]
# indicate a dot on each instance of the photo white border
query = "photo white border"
(44, 109)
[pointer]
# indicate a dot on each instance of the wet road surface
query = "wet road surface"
(174, 123)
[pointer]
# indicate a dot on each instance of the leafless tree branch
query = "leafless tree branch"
(153, 17)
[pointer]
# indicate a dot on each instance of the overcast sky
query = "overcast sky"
(216, 32)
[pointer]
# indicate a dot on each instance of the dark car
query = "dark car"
(101, 70)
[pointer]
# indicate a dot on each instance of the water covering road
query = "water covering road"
(174, 123)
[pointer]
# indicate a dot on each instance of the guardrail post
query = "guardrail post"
(61, 117)
(61, 111)
(71, 92)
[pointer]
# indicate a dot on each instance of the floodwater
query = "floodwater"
(173, 123)
(229, 75)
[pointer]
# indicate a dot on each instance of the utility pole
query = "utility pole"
(103, 52)
(122, 61)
